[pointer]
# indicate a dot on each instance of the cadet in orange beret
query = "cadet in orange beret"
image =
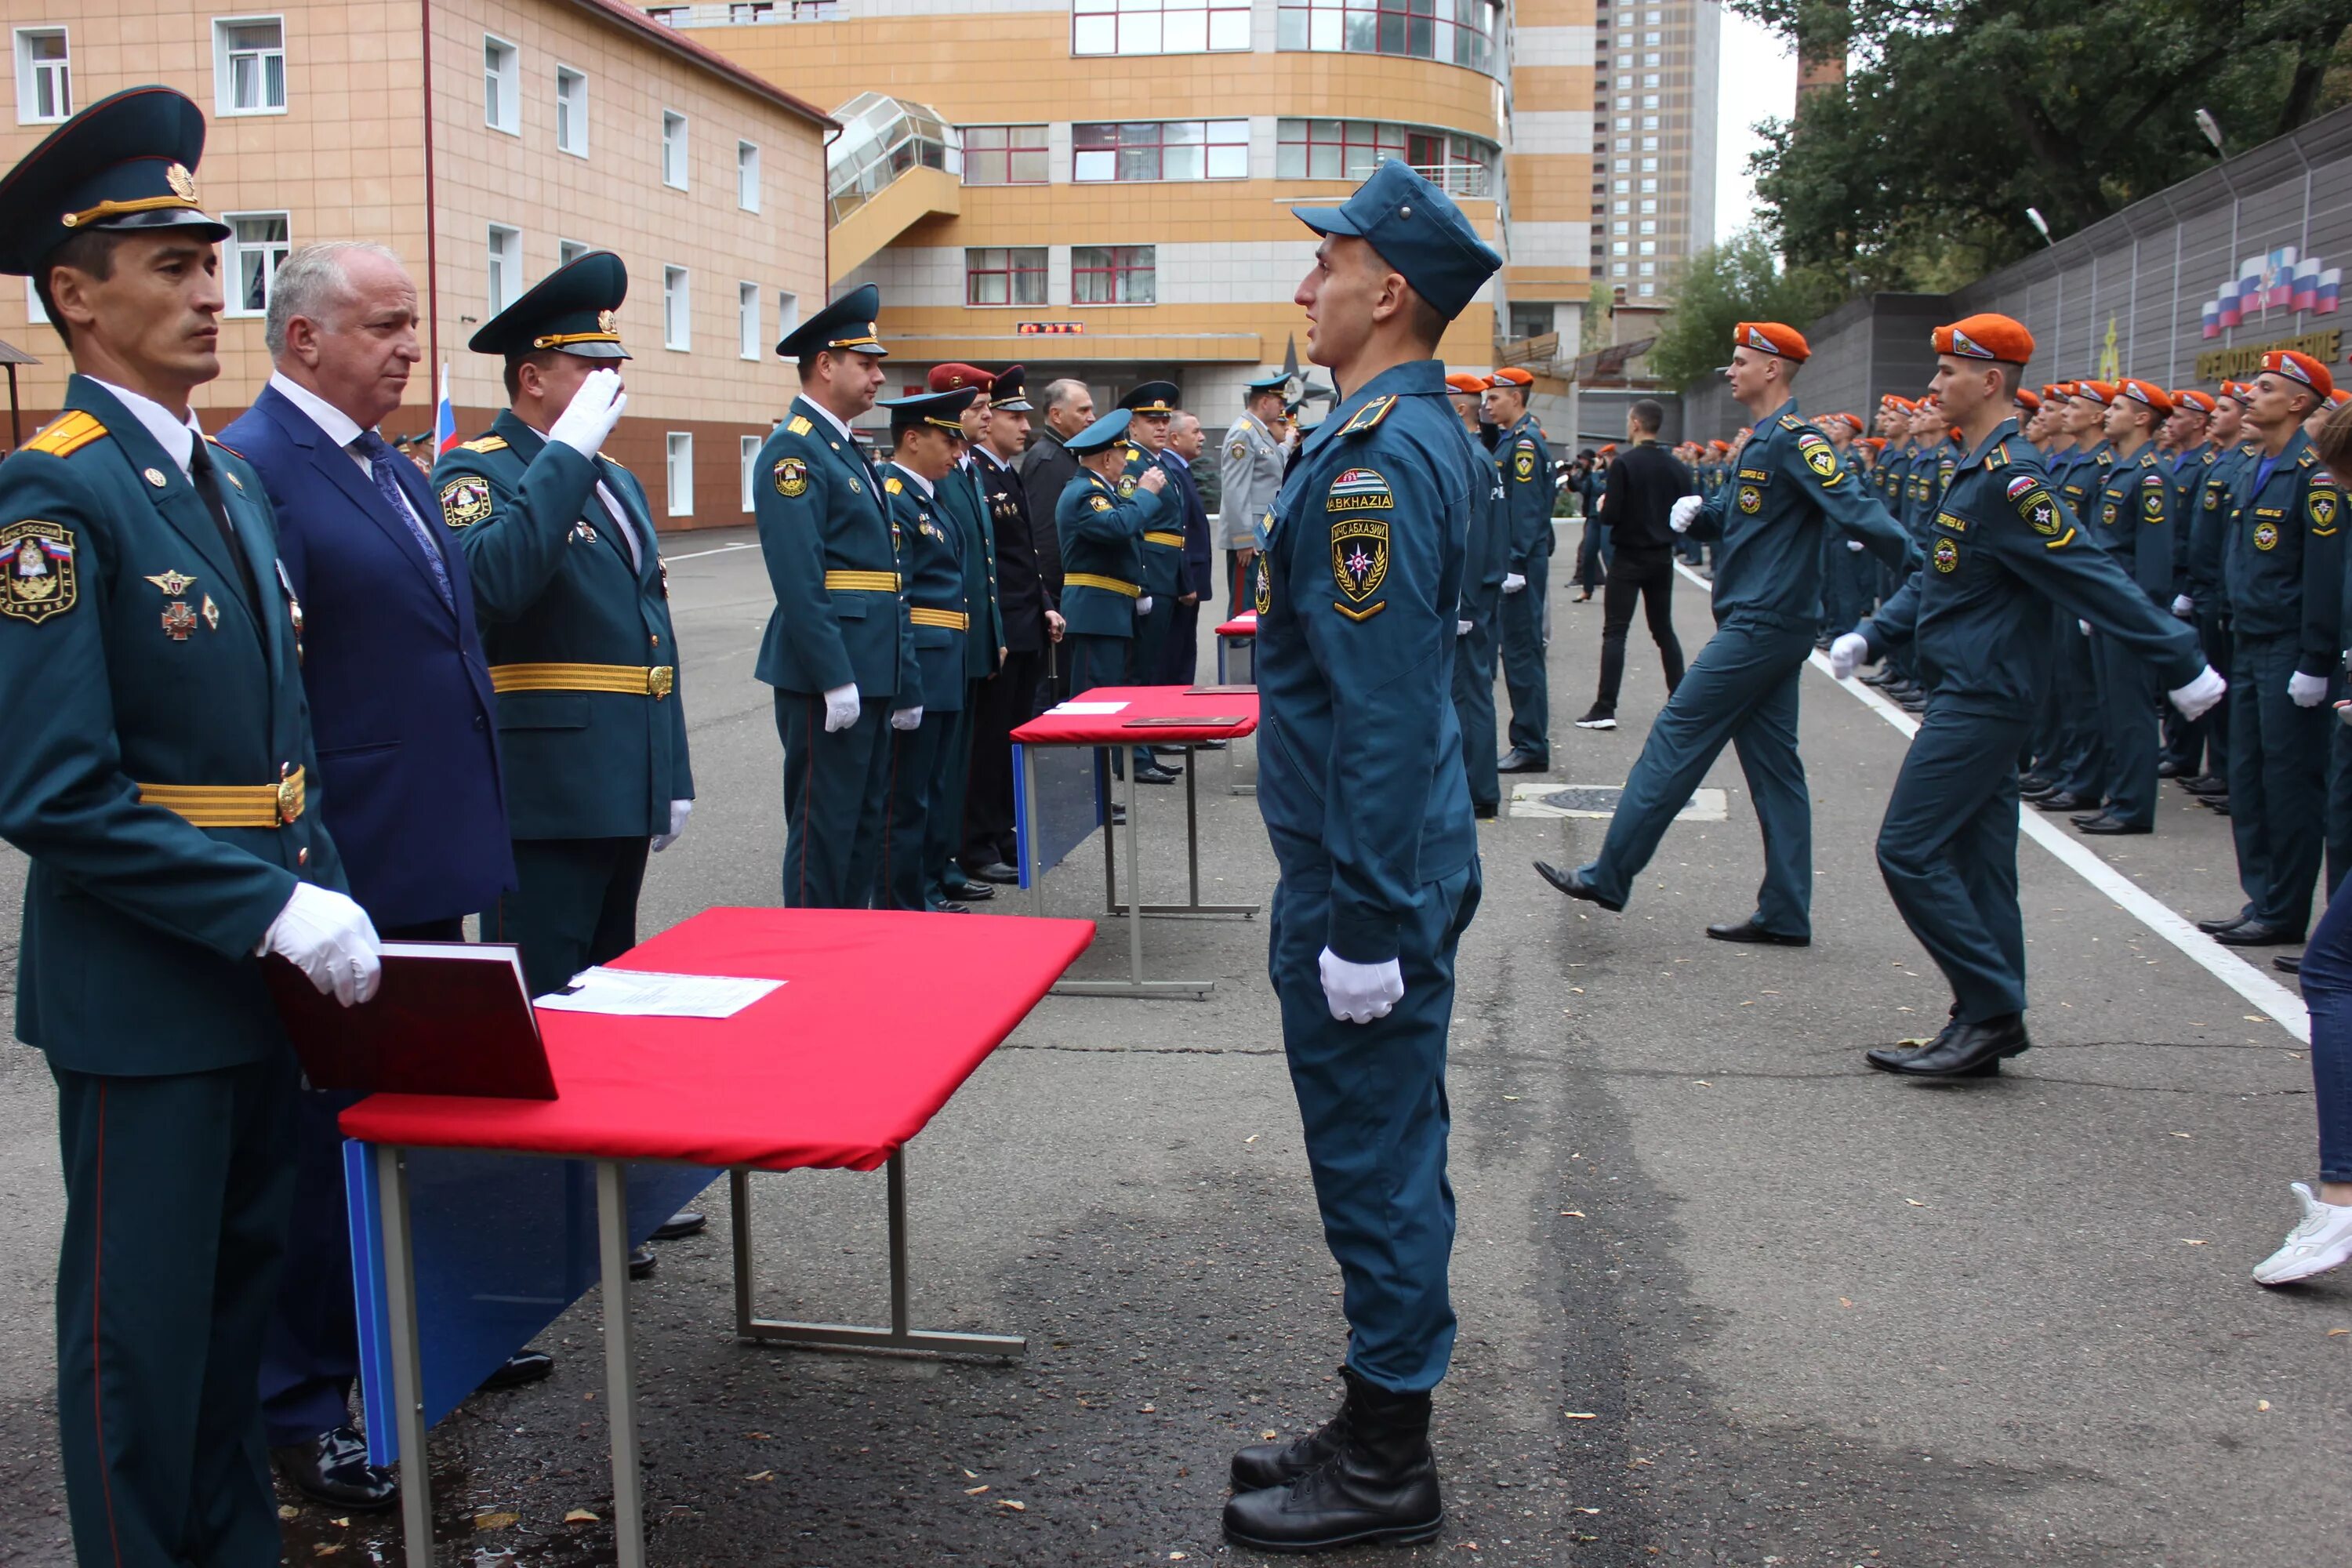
(2184, 739)
(2069, 771)
(2199, 598)
(2003, 549)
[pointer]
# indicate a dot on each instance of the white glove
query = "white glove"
(1359, 993)
(2206, 690)
(1855, 546)
(1685, 511)
(1143, 605)
(2306, 690)
(2183, 606)
(331, 939)
(679, 810)
(2085, 626)
(591, 414)
(1513, 582)
(907, 717)
(1462, 629)
(841, 708)
(1847, 651)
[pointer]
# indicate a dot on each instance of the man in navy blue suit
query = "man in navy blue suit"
(1180, 659)
(401, 701)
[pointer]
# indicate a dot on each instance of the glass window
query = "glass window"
(1649, 248)
(1624, 82)
(788, 313)
(1650, 205)
(1649, 59)
(1157, 26)
(680, 452)
(677, 310)
(1649, 40)
(1620, 229)
(1649, 122)
(1622, 207)
(1649, 100)
(1648, 165)
(1112, 275)
(250, 257)
(44, 82)
(501, 88)
(749, 459)
(1649, 287)
(1649, 226)
(571, 111)
(1459, 32)
(1649, 185)
(751, 11)
(249, 64)
(747, 319)
(506, 266)
(1649, 269)
(1004, 155)
(1617, 269)
(1005, 274)
(1621, 184)
(674, 165)
(1161, 150)
(747, 176)
(568, 251)
(1649, 143)
(1624, 144)
(1618, 247)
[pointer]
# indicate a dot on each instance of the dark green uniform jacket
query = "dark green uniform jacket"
(840, 618)
(1528, 487)
(138, 659)
(2282, 554)
(555, 588)
(933, 552)
(2211, 528)
(2133, 521)
(960, 496)
(1163, 541)
(1102, 553)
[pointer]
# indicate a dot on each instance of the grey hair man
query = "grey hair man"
(1046, 469)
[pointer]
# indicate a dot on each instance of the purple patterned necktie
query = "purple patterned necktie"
(381, 458)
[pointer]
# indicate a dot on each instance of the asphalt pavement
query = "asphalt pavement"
(1725, 1296)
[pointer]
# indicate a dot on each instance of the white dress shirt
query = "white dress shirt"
(178, 436)
(337, 425)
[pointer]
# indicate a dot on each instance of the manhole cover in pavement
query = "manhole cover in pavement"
(1540, 799)
(1601, 800)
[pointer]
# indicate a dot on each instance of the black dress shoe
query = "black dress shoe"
(334, 1471)
(1156, 775)
(2288, 964)
(998, 872)
(2064, 800)
(1887, 1058)
(2037, 794)
(1916, 702)
(1485, 813)
(1515, 761)
(2258, 933)
(1748, 931)
(942, 907)
(642, 1263)
(2107, 826)
(2218, 805)
(2169, 770)
(681, 1225)
(523, 1366)
(2033, 783)
(955, 885)
(1377, 1484)
(2206, 784)
(1573, 884)
(2085, 819)
(1966, 1051)
(2215, 928)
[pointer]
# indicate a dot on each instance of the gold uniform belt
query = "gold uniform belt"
(629, 680)
(955, 620)
(1090, 580)
(1173, 540)
(230, 806)
(862, 582)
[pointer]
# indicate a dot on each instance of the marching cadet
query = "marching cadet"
(1248, 474)
(839, 648)
(1742, 689)
(1482, 598)
(961, 499)
(2003, 551)
(2282, 566)
(1152, 406)
(1362, 787)
(159, 776)
(1102, 522)
(574, 609)
(925, 439)
(2133, 523)
(1524, 463)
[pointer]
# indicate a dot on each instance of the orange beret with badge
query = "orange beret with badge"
(2189, 397)
(1772, 338)
(2101, 392)
(2027, 400)
(1512, 375)
(1999, 338)
(2147, 393)
(1460, 382)
(2299, 367)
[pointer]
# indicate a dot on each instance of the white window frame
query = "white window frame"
(34, 314)
(677, 310)
(675, 139)
(568, 251)
(231, 263)
(571, 138)
(502, 87)
(30, 71)
(677, 451)
(747, 319)
(751, 448)
(224, 93)
(747, 176)
(788, 313)
(503, 271)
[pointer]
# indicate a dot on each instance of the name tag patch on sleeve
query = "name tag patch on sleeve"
(1360, 490)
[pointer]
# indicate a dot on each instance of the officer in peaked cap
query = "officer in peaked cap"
(1153, 407)
(1102, 520)
(159, 776)
(575, 608)
(838, 648)
(1362, 789)
(1249, 470)
(1026, 610)
(961, 497)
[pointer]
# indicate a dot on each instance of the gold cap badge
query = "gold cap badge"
(183, 184)
(606, 321)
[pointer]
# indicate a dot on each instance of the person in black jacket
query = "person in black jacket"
(1047, 470)
(1007, 700)
(1644, 482)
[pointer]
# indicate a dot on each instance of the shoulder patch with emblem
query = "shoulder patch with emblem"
(1125, 486)
(1240, 448)
(1523, 459)
(798, 425)
(792, 477)
(484, 443)
(1360, 489)
(1369, 415)
(1359, 560)
(1821, 458)
(466, 501)
(36, 570)
(1100, 504)
(2325, 507)
(2034, 504)
(67, 433)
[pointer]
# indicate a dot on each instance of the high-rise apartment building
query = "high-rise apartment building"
(1656, 66)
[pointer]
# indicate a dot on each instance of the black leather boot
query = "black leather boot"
(1263, 1464)
(1379, 1484)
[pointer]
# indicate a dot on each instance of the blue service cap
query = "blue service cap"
(1418, 230)
(1102, 435)
(126, 162)
(1274, 382)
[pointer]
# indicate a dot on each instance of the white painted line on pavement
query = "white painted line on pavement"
(2283, 1006)
(698, 555)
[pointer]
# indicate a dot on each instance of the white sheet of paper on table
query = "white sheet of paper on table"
(645, 994)
(1088, 708)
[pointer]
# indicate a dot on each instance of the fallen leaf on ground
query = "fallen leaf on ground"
(1580, 1415)
(1845, 1300)
(1008, 1503)
(1573, 1214)
(326, 1548)
(2192, 1241)
(579, 1516)
(1915, 1202)
(287, 1510)
(1587, 1510)
(2333, 1332)
(975, 1492)
(2261, 1404)
(495, 1521)
(762, 1476)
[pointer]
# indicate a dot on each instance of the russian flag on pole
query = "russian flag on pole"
(2325, 290)
(444, 417)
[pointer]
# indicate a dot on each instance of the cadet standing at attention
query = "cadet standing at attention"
(2203, 596)
(960, 497)
(2134, 525)
(1742, 686)
(1101, 522)
(156, 775)
(575, 608)
(1361, 788)
(1524, 463)
(1153, 408)
(839, 648)
(2003, 552)
(1482, 603)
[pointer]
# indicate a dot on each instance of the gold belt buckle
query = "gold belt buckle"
(290, 794)
(659, 679)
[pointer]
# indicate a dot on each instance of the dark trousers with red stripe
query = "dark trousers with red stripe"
(177, 1192)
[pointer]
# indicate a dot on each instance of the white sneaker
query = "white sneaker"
(2321, 1240)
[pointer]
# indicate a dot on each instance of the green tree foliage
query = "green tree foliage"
(1739, 280)
(1959, 114)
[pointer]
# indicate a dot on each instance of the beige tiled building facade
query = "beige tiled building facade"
(557, 126)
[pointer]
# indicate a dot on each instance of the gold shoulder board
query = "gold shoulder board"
(66, 434)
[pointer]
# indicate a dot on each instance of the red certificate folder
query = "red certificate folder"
(451, 1017)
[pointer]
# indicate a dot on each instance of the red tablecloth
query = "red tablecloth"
(1142, 702)
(882, 1017)
(1241, 625)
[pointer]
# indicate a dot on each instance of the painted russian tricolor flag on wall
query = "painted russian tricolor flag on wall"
(2278, 279)
(2305, 291)
(2213, 318)
(444, 417)
(2325, 286)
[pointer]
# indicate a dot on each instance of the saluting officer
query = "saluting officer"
(161, 778)
(1101, 519)
(575, 608)
(1742, 686)
(1362, 789)
(925, 439)
(839, 648)
(960, 498)
(1248, 473)
(2004, 549)
(1524, 463)
(1153, 406)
